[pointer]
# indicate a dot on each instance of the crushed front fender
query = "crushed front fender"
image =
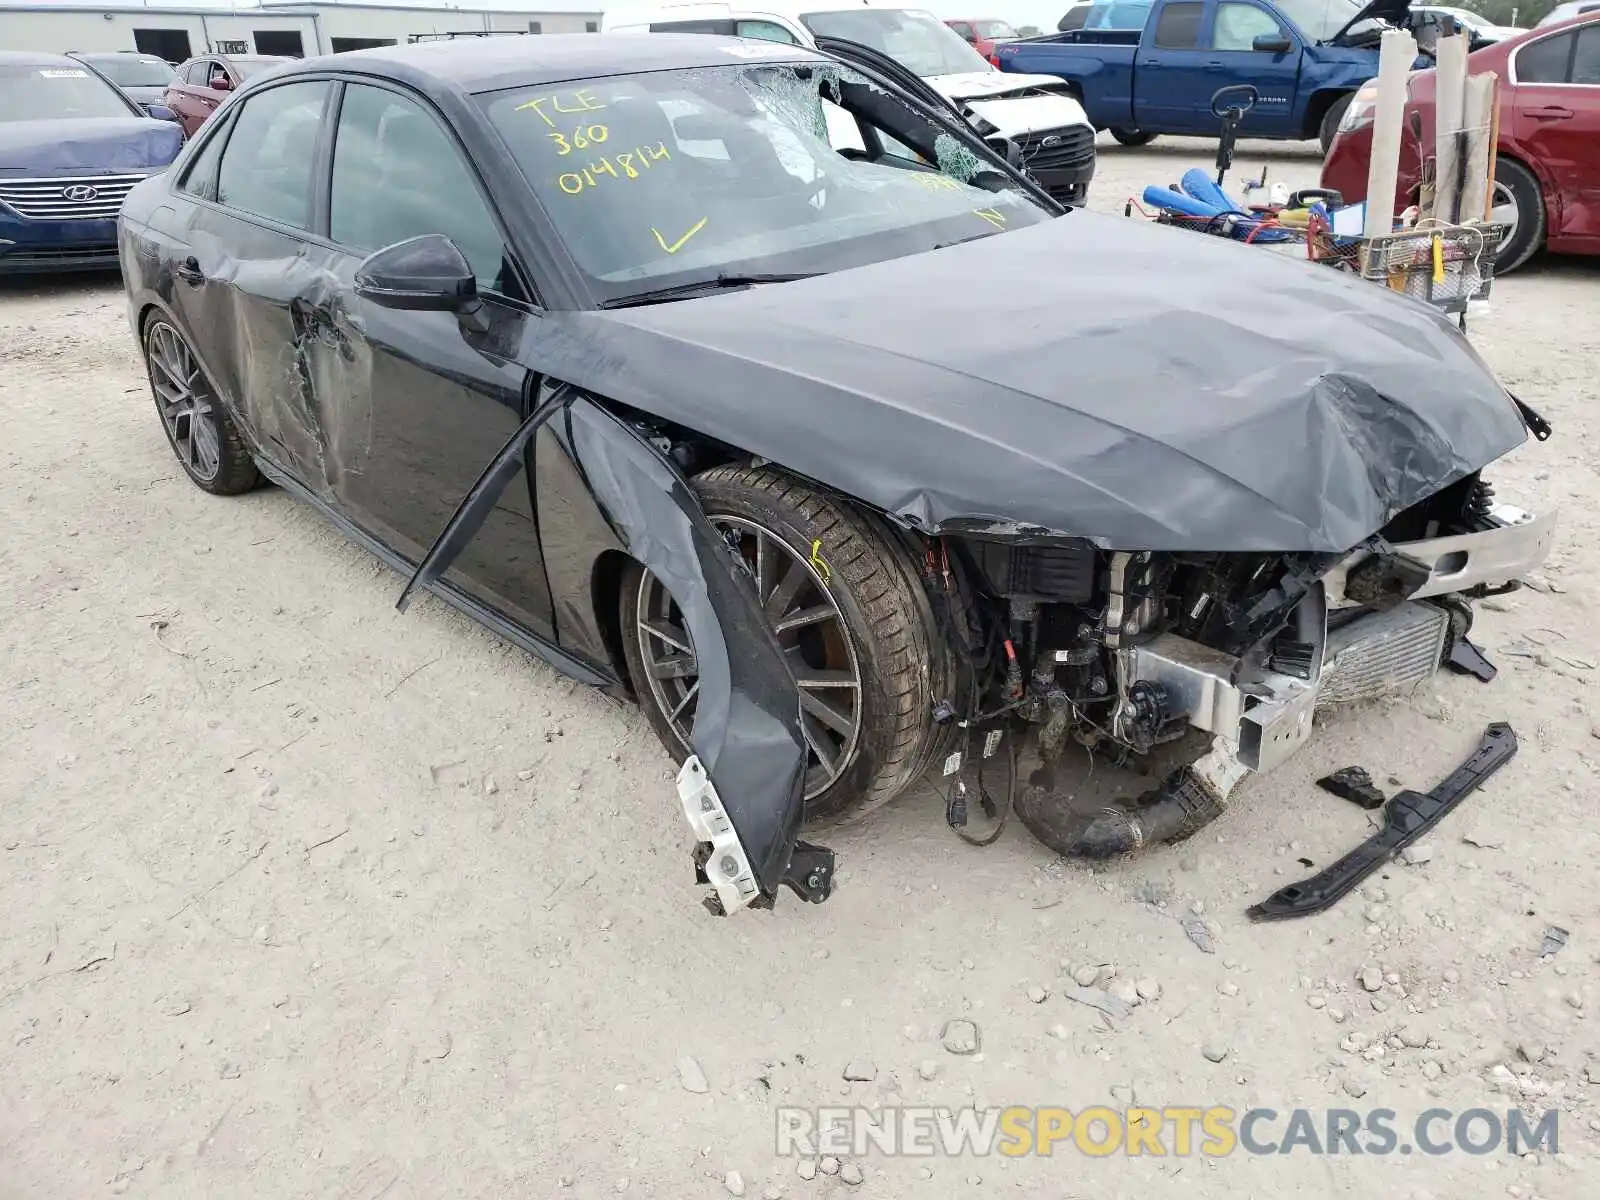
(746, 776)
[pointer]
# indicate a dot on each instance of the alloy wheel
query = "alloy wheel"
(810, 629)
(1503, 211)
(188, 406)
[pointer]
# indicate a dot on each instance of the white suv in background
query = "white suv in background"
(1035, 112)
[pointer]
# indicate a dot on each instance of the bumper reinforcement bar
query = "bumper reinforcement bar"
(1407, 817)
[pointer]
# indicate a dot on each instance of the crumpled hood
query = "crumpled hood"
(87, 146)
(980, 85)
(1138, 385)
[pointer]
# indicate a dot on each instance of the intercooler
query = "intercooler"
(1382, 654)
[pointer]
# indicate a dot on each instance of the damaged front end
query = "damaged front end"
(1125, 652)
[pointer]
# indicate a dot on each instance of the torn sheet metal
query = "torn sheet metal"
(747, 738)
(1131, 384)
(747, 731)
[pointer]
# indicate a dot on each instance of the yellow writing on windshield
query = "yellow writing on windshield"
(568, 102)
(935, 183)
(674, 247)
(581, 138)
(992, 215)
(625, 165)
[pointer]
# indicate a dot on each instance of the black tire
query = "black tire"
(204, 429)
(1331, 119)
(1528, 235)
(879, 600)
(1129, 136)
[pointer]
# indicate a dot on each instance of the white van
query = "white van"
(1036, 112)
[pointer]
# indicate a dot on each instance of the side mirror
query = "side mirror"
(161, 112)
(1272, 43)
(1006, 149)
(220, 83)
(420, 274)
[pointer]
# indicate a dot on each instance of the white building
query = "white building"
(301, 29)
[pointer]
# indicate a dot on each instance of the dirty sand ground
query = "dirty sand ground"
(283, 919)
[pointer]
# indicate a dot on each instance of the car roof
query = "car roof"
(118, 55)
(34, 58)
(490, 64)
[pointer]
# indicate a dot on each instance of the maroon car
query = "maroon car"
(981, 35)
(203, 83)
(1547, 164)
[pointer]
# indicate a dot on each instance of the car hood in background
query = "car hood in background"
(1013, 104)
(1091, 376)
(106, 145)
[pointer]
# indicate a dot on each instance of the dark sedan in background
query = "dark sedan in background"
(71, 147)
(1547, 164)
(845, 458)
(144, 77)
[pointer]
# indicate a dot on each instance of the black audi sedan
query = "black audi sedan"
(742, 379)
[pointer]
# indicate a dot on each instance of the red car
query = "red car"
(203, 83)
(1547, 166)
(982, 35)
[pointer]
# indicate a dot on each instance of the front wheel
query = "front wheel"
(841, 600)
(1129, 136)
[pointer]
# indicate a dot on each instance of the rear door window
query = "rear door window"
(1178, 27)
(766, 31)
(1546, 60)
(267, 167)
(1586, 61)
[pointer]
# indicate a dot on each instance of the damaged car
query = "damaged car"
(850, 467)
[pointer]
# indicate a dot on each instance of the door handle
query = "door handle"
(189, 271)
(1215, 62)
(1550, 112)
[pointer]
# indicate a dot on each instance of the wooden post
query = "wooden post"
(1494, 146)
(1477, 122)
(1396, 53)
(1450, 76)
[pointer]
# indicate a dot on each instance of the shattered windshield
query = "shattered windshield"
(667, 178)
(916, 40)
(29, 93)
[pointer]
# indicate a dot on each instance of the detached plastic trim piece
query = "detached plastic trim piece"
(1408, 816)
(726, 866)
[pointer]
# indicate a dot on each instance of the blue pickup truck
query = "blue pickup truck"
(1306, 58)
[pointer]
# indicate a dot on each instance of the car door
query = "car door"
(1249, 44)
(415, 403)
(1172, 73)
(186, 94)
(249, 260)
(1558, 122)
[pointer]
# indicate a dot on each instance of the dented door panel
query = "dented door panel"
(412, 405)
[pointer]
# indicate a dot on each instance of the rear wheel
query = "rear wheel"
(1331, 119)
(1129, 136)
(200, 431)
(1518, 204)
(840, 599)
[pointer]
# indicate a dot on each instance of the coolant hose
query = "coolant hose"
(1189, 799)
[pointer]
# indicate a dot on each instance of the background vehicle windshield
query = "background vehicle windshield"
(57, 93)
(993, 29)
(918, 41)
(1319, 20)
(672, 177)
(249, 68)
(126, 71)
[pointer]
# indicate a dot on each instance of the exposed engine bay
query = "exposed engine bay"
(1123, 652)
